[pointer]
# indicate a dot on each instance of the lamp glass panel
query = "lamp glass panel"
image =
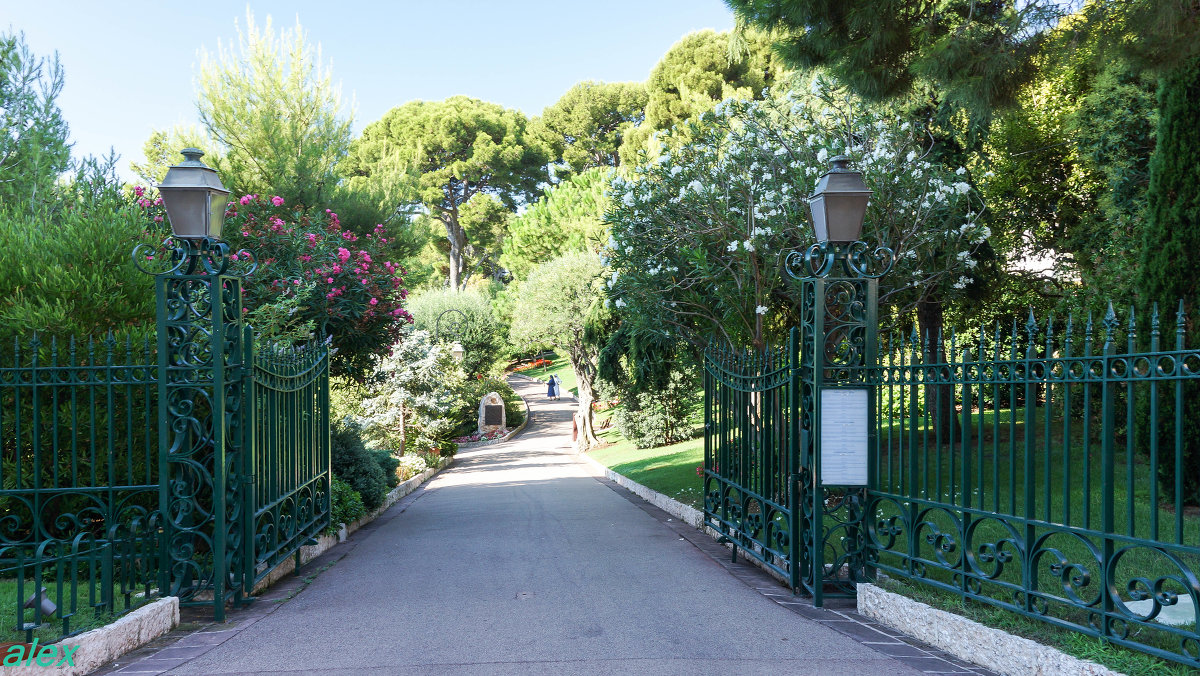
(817, 206)
(216, 213)
(845, 214)
(186, 210)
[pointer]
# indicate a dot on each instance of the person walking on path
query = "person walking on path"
(554, 389)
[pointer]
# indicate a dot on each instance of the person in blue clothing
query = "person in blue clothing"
(554, 387)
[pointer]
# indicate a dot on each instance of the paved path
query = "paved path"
(516, 560)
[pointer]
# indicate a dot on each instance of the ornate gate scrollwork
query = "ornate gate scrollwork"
(202, 463)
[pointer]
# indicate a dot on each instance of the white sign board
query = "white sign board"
(843, 437)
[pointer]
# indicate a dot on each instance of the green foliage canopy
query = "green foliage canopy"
(33, 134)
(700, 234)
(448, 152)
(162, 151)
(65, 268)
(481, 334)
(1170, 267)
(569, 217)
(700, 70)
(276, 113)
(586, 125)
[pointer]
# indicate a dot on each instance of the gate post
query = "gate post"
(837, 370)
(200, 424)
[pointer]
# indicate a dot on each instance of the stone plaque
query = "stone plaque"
(491, 413)
(844, 441)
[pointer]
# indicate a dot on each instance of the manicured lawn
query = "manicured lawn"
(561, 367)
(670, 470)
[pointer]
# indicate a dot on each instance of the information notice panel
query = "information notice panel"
(843, 440)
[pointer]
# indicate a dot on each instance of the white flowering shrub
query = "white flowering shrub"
(700, 233)
(410, 466)
(413, 397)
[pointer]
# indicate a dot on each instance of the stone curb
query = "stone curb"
(688, 514)
(102, 645)
(519, 428)
(324, 541)
(969, 640)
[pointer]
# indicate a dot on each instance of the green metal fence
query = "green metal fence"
(1050, 468)
(78, 479)
(1045, 469)
(83, 490)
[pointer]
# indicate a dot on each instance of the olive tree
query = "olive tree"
(562, 304)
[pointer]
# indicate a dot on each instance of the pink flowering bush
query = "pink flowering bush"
(317, 276)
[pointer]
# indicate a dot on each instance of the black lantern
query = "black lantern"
(194, 198)
(839, 203)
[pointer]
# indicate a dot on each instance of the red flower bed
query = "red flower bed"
(537, 363)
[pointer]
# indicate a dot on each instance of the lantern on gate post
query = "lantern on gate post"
(194, 198)
(838, 206)
(839, 203)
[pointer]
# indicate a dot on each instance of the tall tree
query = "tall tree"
(586, 126)
(978, 54)
(562, 304)
(1170, 270)
(699, 71)
(454, 150)
(569, 217)
(273, 107)
(33, 134)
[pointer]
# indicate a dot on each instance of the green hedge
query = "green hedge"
(358, 467)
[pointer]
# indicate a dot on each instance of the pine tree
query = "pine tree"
(1170, 266)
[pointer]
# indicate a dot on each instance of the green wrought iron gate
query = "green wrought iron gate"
(1037, 470)
(750, 466)
(769, 488)
(243, 437)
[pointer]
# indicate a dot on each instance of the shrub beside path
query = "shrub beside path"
(516, 560)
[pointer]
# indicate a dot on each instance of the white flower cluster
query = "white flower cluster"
(738, 181)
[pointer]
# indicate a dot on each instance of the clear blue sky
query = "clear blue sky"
(131, 67)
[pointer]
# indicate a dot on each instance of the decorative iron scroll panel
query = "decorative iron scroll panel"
(749, 408)
(201, 462)
(838, 338)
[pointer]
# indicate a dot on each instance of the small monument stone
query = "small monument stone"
(491, 413)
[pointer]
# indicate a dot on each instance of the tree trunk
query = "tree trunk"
(939, 399)
(585, 375)
(458, 244)
(403, 431)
